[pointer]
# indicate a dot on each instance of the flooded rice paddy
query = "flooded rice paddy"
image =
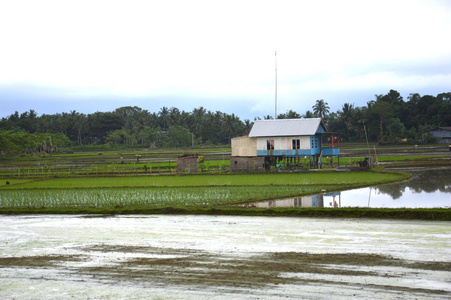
(426, 189)
(223, 257)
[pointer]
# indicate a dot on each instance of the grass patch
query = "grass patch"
(326, 178)
(12, 182)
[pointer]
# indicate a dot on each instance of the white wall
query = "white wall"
(244, 146)
(283, 143)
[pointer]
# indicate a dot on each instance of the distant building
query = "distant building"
(282, 142)
(442, 134)
(188, 163)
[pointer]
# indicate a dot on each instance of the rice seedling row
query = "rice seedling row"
(180, 196)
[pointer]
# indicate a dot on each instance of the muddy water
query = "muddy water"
(206, 257)
(426, 189)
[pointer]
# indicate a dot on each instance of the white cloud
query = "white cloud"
(220, 50)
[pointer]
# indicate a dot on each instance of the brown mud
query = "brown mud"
(190, 267)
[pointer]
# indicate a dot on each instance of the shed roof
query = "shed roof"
(286, 127)
(447, 128)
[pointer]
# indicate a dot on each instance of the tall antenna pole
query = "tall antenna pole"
(275, 110)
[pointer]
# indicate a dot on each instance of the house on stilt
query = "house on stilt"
(284, 143)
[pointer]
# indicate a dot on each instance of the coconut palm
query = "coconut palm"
(164, 117)
(321, 108)
(346, 115)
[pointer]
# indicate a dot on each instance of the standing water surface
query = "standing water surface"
(426, 189)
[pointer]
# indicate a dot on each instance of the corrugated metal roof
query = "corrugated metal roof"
(285, 127)
(447, 128)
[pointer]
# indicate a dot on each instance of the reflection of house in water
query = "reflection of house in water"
(336, 199)
(307, 201)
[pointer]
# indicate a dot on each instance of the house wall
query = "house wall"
(240, 163)
(244, 146)
(283, 143)
(443, 136)
(283, 146)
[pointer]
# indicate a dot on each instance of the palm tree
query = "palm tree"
(321, 108)
(185, 119)
(291, 114)
(232, 126)
(79, 124)
(32, 116)
(248, 125)
(383, 111)
(308, 114)
(164, 117)
(346, 114)
(174, 116)
(63, 122)
(198, 120)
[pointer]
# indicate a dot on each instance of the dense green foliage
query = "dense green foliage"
(126, 127)
(387, 119)
(390, 119)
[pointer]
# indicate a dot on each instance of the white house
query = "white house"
(273, 141)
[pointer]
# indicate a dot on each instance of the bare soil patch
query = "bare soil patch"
(189, 267)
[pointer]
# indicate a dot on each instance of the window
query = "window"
(269, 144)
(295, 144)
(314, 142)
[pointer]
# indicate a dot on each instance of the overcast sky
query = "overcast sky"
(88, 56)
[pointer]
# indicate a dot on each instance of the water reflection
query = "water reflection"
(426, 189)
(428, 181)
(306, 201)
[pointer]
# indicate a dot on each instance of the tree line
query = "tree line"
(387, 119)
(128, 126)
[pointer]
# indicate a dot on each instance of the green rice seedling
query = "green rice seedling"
(177, 196)
(362, 178)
